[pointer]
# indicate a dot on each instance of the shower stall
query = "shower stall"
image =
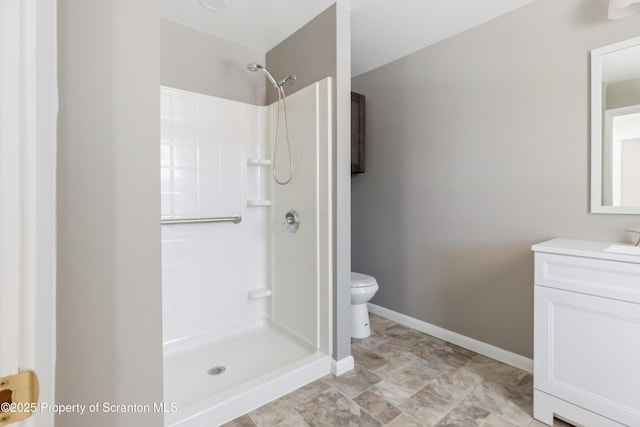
(246, 280)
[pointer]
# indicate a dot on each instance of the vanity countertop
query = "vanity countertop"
(586, 249)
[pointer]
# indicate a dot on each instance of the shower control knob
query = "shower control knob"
(292, 221)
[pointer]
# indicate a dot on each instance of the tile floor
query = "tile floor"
(404, 378)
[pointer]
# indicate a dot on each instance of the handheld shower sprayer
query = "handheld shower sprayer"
(257, 67)
(282, 99)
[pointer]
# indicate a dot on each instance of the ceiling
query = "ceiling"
(381, 30)
(621, 65)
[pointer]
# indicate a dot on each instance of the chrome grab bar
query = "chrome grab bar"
(235, 218)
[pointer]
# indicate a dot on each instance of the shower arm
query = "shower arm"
(292, 77)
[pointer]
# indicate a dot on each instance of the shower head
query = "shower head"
(257, 67)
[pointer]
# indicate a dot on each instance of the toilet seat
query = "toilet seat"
(359, 280)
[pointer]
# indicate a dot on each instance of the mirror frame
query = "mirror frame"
(596, 129)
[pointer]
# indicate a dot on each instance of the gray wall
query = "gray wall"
(109, 323)
(198, 62)
(622, 94)
(478, 147)
(311, 53)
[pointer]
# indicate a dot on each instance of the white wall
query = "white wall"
(209, 268)
(301, 260)
(630, 176)
(208, 150)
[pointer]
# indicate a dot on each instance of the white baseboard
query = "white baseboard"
(342, 366)
(479, 347)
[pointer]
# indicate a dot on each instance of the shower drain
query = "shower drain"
(217, 370)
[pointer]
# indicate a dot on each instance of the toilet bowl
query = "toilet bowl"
(363, 288)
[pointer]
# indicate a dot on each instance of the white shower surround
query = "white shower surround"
(222, 280)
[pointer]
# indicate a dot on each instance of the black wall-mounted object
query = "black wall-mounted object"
(357, 133)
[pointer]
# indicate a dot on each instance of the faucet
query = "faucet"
(637, 232)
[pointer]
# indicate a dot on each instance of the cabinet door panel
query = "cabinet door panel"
(587, 351)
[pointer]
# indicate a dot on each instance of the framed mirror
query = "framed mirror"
(615, 128)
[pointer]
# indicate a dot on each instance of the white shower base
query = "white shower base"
(262, 361)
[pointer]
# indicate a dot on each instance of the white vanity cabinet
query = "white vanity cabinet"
(586, 334)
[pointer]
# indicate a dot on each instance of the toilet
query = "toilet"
(363, 288)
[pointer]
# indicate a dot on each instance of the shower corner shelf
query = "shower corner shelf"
(259, 293)
(255, 203)
(258, 162)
